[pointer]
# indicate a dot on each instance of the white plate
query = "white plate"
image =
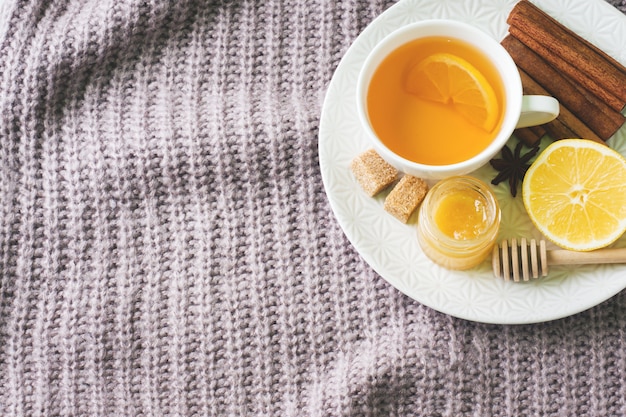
(391, 248)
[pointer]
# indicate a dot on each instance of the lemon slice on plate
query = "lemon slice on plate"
(575, 194)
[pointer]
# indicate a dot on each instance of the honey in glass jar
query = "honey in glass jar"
(459, 222)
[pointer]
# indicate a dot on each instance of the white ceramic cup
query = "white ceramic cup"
(519, 110)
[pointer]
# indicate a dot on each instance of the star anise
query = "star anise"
(513, 166)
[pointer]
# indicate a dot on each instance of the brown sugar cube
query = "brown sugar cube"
(405, 197)
(373, 172)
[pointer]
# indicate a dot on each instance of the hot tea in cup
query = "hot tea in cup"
(440, 98)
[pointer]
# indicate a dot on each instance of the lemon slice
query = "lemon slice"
(575, 194)
(447, 78)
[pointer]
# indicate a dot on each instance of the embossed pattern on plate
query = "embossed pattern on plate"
(391, 248)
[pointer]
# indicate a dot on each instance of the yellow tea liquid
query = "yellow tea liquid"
(424, 131)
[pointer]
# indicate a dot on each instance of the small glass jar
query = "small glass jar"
(458, 222)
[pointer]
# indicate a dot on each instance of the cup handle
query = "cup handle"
(537, 110)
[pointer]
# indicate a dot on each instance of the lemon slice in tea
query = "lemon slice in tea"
(447, 78)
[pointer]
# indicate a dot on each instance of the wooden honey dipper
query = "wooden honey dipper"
(511, 260)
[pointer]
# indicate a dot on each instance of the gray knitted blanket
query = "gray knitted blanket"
(167, 248)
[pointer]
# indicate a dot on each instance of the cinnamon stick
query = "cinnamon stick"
(568, 70)
(558, 130)
(596, 114)
(569, 53)
(566, 117)
(530, 135)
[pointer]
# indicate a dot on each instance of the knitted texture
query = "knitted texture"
(167, 248)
